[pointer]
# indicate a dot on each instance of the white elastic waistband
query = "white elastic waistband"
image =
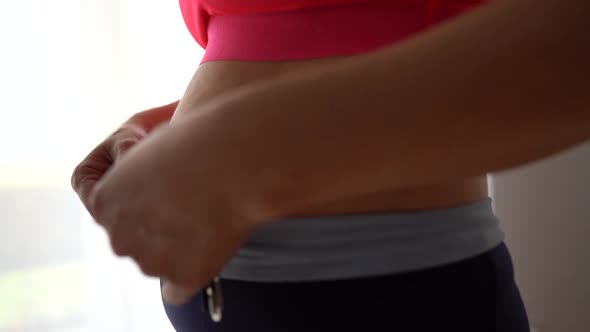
(349, 246)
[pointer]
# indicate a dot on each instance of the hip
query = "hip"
(475, 294)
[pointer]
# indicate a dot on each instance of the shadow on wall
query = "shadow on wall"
(545, 211)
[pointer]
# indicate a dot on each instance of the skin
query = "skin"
(438, 112)
(102, 157)
(215, 79)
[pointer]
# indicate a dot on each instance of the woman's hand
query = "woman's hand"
(166, 205)
(95, 165)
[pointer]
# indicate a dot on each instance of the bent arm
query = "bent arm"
(499, 87)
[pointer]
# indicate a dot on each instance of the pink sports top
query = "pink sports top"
(279, 30)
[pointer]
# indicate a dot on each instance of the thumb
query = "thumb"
(177, 295)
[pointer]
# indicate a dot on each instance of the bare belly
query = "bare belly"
(213, 79)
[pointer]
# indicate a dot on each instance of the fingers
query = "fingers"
(151, 252)
(156, 254)
(159, 257)
(186, 273)
(128, 239)
(176, 261)
(89, 171)
(100, 160)
(177, 258)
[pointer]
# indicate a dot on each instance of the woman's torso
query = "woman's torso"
(383, 232)
(215, 78)
(370, 23)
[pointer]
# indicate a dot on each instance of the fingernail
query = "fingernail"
(175, 295)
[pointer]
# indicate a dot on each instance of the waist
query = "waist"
(359, 245)
(346, 29)
(457, 193)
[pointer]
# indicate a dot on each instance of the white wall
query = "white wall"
(70, 72)
(545, 210)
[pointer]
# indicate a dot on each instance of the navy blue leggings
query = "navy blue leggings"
(477, 294)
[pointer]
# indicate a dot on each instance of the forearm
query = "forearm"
(494, 89)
